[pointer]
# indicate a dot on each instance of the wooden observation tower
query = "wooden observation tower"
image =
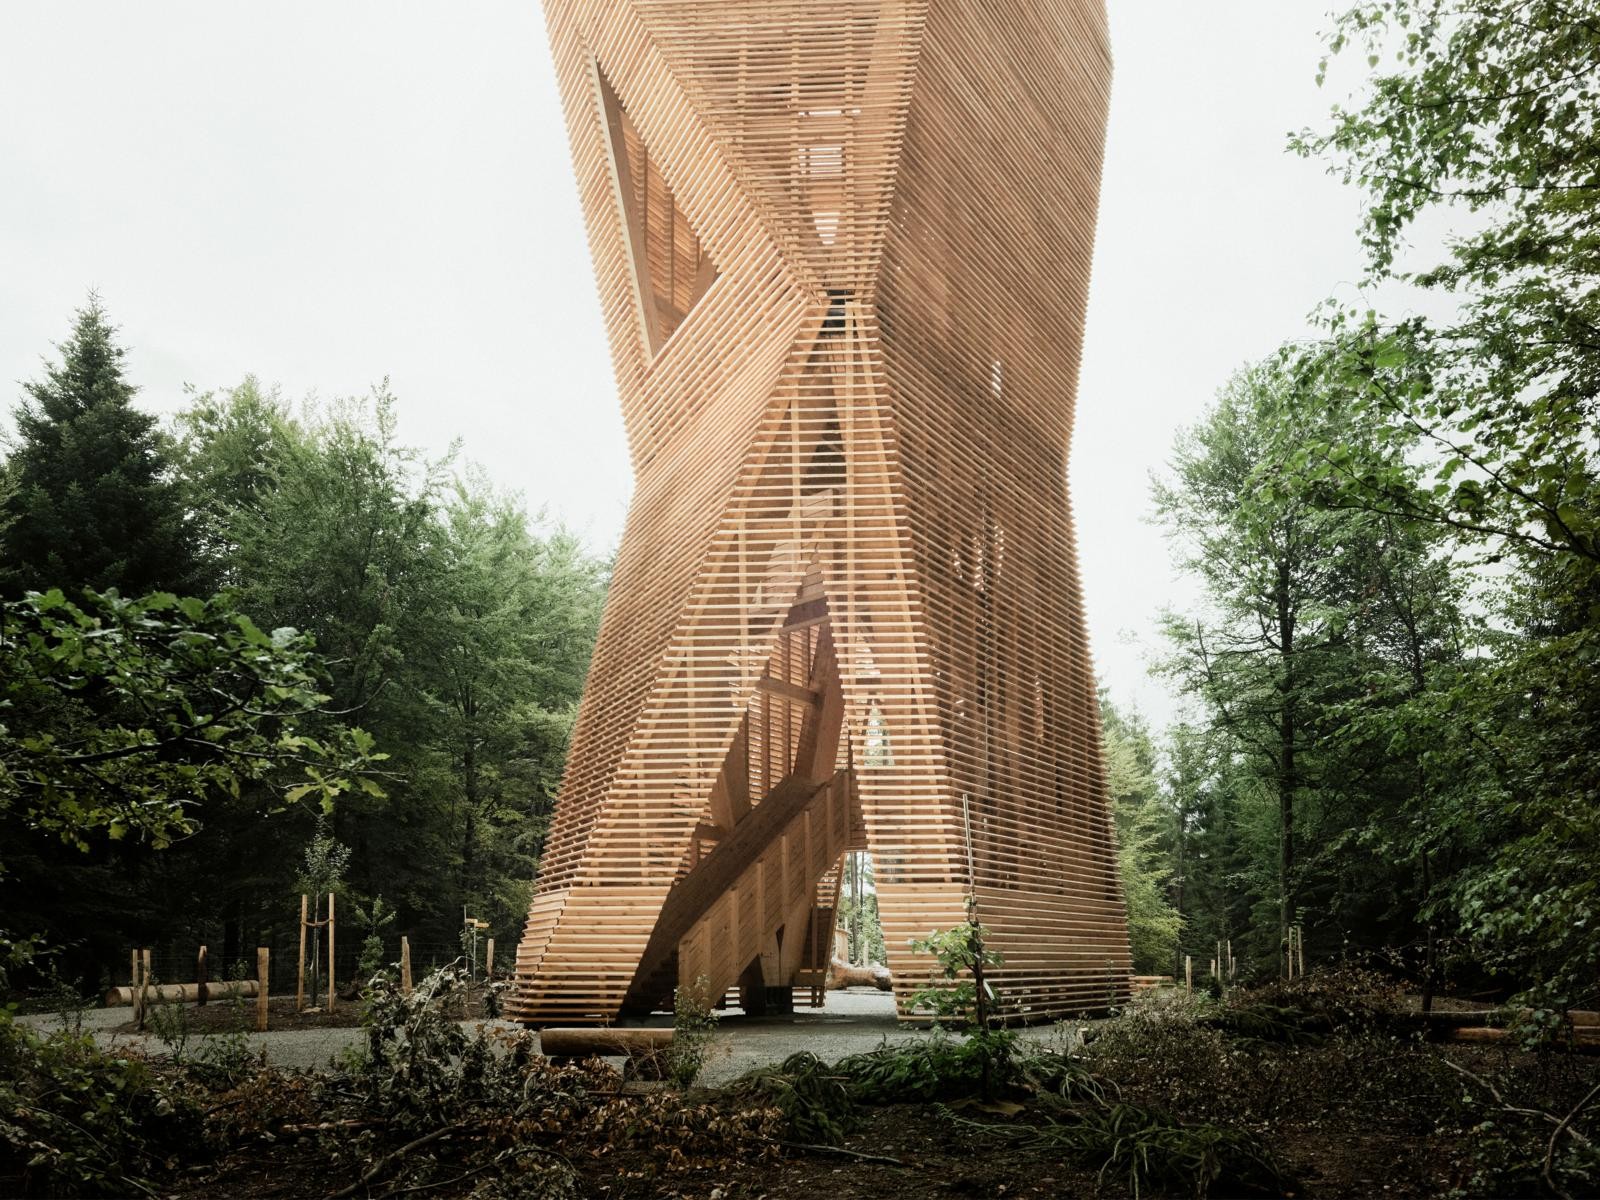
(843, 251)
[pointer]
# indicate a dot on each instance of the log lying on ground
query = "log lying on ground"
(1442, 1024)
(843, 975)
(587, 1043)
(166, 992)
(1585, 1038)
(1145, 983)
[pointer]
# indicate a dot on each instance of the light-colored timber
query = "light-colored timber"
(165, 993)
(843, 253)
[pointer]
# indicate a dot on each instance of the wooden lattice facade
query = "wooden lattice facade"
(843, 252)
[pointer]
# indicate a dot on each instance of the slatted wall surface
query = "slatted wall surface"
(843, 252)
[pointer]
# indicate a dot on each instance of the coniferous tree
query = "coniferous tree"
(90, 501)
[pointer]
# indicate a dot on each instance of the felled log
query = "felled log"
(1585, 1038)
(589, 1043)
(165, 992)
(1145, 983)
(842, 975)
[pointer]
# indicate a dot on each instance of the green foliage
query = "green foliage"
(417, 1069)
(1298, 804)
(88, 499)
(941, 1067)
(77, 1121)
(324, 863)
(694, 1026)
(125, 716)
(1082, 1117)
(170, 1024)
(423, 1073)
(1498, 402)
(447, 621)
(1146, 830)
(457, 626)
(1147, 1149)
(952, 991)
(817, 1101)
(858, 916)
(375, 918)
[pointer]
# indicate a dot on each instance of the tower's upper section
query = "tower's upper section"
(749, 162)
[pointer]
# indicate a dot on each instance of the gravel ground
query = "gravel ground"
(852, 1021)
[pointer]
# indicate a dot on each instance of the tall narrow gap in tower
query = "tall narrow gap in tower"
(672, 269)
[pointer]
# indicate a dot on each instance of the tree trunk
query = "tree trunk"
(1287, 767)
(470, 792)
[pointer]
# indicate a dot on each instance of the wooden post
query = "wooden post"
(201, 978)
(144, 985)
(1188, 972)
(138, 993)
(405, 966)
(330, 951)
(488, 962)
(1232, 968)
(300, 973)
(263, 965)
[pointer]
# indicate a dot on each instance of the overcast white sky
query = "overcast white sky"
(324, 194)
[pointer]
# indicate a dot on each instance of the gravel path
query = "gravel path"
(853, 1021)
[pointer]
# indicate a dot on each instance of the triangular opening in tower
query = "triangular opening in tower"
(671, 268)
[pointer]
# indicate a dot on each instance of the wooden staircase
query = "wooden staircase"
(770, 912)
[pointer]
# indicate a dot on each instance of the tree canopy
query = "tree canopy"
(89, 499)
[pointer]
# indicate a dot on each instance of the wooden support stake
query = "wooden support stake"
(201, 978)
(330, 952)
(263, 968)
(144, 985)
(133, 986)
(1188, 972)
(300, 972)
(405, 966)
(488, 962)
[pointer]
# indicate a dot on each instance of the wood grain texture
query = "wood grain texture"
(843, 253)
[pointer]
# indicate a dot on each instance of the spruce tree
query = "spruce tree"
(89, 499)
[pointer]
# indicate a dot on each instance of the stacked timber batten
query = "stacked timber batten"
(843, 256)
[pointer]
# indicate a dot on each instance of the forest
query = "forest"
(263, 647)
(399, 737)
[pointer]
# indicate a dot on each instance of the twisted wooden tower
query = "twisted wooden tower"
(843, 251)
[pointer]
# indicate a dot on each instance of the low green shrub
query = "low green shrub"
(75, 1120)
(814, 1098)
(694, 1026)
(1147, 1149)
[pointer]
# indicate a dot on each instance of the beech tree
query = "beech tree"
(123, 718)
(1487, 122)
